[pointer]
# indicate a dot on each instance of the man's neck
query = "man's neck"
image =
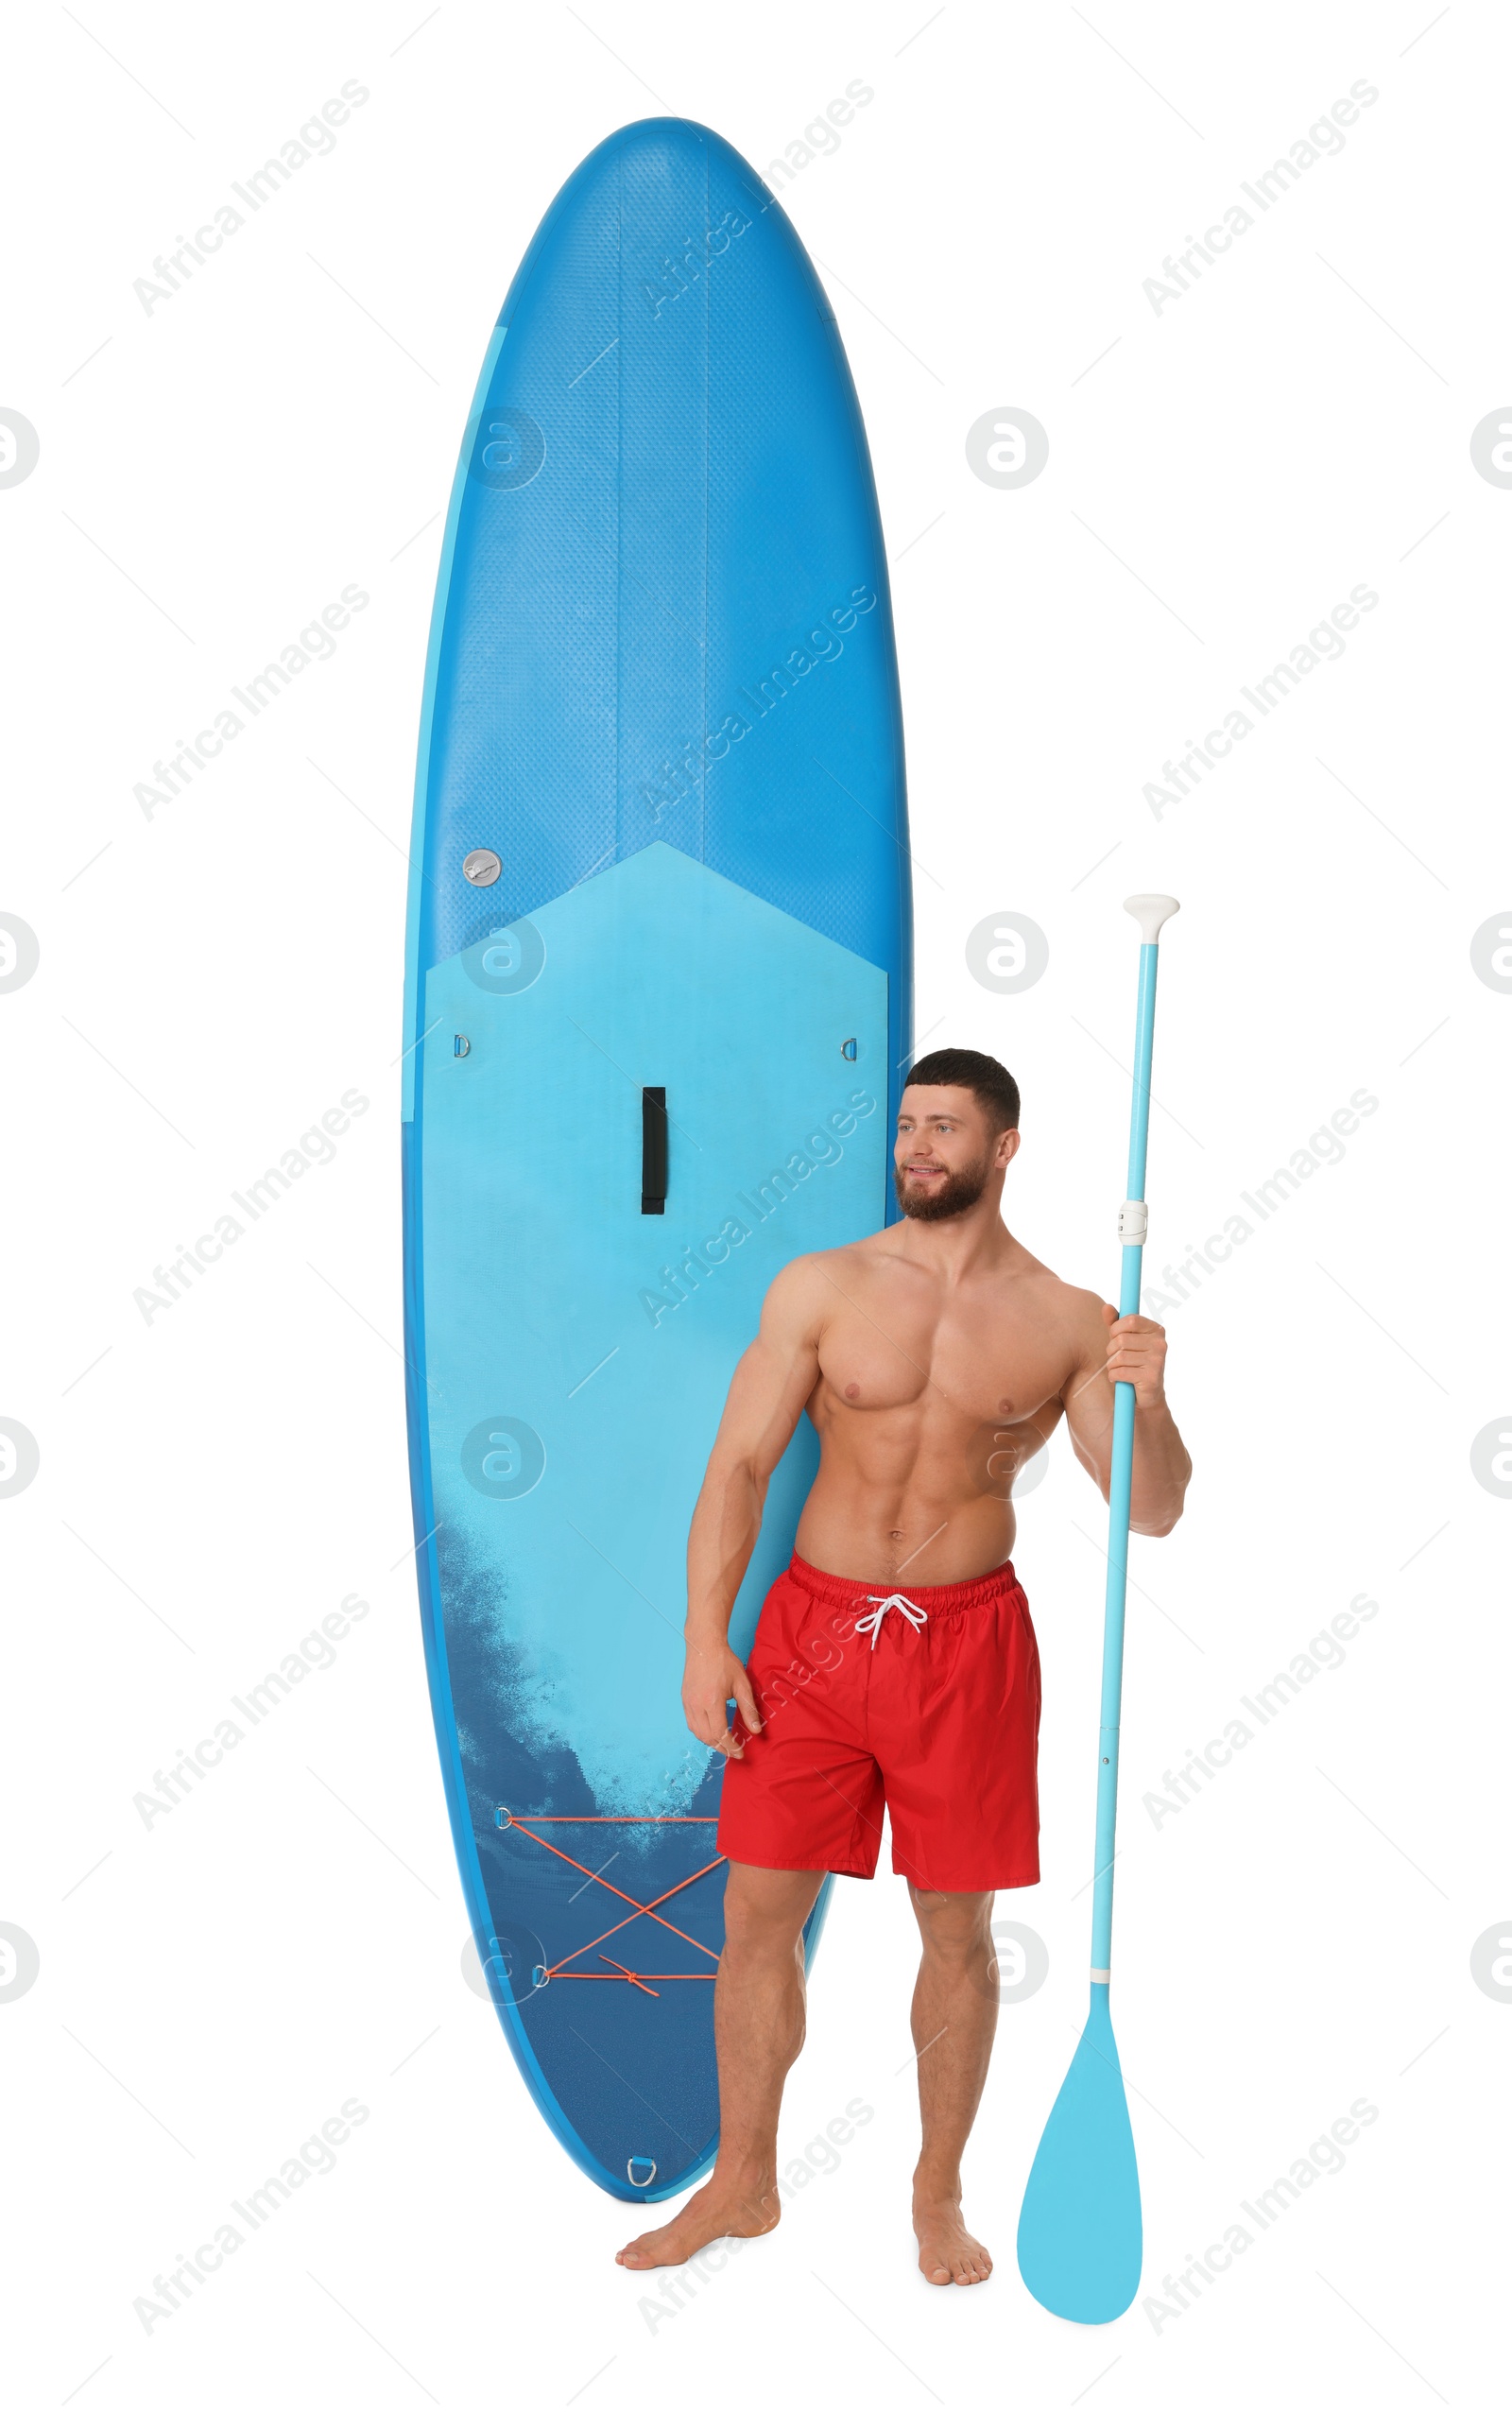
(960, 1245)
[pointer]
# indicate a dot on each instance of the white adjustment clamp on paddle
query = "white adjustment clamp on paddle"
(1133, 1222)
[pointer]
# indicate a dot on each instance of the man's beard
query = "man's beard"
(953, 1195)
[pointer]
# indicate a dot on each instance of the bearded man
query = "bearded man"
(934, 1358)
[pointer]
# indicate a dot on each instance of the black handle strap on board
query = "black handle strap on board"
(653, 1151)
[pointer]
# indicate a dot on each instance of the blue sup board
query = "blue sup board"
(658, 995)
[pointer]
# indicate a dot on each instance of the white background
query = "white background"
(213, 978)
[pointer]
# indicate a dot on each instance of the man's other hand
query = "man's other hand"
(1136, 1354)
(712, 1676)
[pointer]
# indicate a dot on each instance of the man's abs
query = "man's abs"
(912, 1492)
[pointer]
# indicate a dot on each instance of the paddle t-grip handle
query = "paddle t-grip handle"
(1152, 913)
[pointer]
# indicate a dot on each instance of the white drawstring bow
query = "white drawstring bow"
(873, 1624)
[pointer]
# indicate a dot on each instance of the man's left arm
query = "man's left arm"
(1129, 1348)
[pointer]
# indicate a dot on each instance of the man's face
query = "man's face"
(945, 1151)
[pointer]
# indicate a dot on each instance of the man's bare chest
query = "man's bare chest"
(974, 1359)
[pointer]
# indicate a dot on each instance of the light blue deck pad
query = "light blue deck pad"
(661, 689)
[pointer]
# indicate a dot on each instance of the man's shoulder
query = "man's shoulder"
(1051, 1299)
(823, 1273)
(1062, 1297)
(821, 1263)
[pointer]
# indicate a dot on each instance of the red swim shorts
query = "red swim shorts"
(925, 1700)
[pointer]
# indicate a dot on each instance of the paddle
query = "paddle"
(1080, 2234)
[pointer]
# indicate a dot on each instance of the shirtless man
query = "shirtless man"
(934, 1359)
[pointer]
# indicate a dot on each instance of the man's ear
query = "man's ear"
(1007, 1149)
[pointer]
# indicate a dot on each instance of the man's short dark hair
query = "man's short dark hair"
(990, 1083)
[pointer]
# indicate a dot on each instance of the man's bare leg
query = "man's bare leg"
(759, 2010)
(955, 2018)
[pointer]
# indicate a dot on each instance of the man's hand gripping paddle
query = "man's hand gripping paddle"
(1080, 2235)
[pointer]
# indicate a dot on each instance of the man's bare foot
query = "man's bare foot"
(949, 2254)
(719, 2209)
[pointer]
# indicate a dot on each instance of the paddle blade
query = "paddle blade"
(1081, 2239)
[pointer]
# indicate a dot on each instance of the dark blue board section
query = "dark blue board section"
(662, 631)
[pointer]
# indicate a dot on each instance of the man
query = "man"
(934, 1358)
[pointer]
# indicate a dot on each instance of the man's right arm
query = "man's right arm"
(771, 1386)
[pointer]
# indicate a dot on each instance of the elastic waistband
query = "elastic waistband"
(837, 1591)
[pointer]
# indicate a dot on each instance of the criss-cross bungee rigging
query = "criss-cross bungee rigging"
(645, 1980)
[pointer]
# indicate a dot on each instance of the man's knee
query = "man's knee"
(765, 1908)
(953, 1925)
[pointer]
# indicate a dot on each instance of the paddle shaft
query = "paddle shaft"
(1119, 1487)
